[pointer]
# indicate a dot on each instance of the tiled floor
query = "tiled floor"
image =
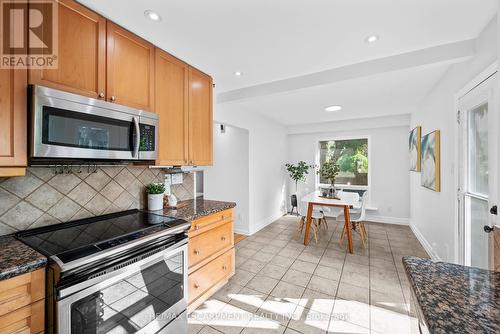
(281, 286)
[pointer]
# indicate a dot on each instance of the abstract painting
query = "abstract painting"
(431, 161)
(414, 148)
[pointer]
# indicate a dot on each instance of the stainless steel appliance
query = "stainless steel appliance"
(123, 272)
(70, 126)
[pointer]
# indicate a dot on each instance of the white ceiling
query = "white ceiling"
(270, 40)
(388, 94)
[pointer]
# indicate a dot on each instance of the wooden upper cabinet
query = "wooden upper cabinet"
(171, 105)
(200, 118)
(13, 126)
(82, 53)
(130, 69)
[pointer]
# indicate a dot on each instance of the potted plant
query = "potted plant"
(155, 196)
(298, 172)
(329, 170)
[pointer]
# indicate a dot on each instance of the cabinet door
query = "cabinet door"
(13, 127)
(82, 53)
(171, 105)
(200, 118)
(130, 69)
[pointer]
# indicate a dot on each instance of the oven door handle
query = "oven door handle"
(90, 286)
(135, 152)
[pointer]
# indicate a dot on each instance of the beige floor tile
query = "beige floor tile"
(296, 277)
(310, 322)
(288, 291)
(323, 285)
(252, 266)
(282, 261)
(262, 283)
(352, 292)
(273, 271)
(328, 272)
(306, 267)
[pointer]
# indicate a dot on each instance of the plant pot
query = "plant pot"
(155, 202)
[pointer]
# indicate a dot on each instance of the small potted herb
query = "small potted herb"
(155, 196)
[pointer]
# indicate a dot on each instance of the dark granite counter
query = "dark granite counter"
(454, 298)
(196, 208)
(16, 258)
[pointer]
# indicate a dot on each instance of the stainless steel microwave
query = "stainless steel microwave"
(70, 126)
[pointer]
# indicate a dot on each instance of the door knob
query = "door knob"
(488, 229)
(494, 210)
(113, 98)
(101, 95)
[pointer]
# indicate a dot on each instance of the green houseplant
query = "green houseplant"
(155, 196)
(298, 172)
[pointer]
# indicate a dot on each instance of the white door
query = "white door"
(477, 195)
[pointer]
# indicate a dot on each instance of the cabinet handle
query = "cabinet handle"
(224, 267)
(196, 286)
(223, 238)
(196, 227)
(196, 252)
(101, 95)
(113, 98)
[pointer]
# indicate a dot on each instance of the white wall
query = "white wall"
(228, 179)
(388, 163)
(433, 214)
(267, 153)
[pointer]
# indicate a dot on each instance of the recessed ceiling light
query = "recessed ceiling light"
(238, 73)
(152, 15)
(372, 38)
(333, 108)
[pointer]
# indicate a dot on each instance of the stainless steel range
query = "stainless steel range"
(123, 272)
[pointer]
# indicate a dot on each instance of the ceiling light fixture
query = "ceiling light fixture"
(238, 73)
(333, 108)
(372, 38)
(152, 15)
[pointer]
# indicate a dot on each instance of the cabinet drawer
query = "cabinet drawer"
(26, 320)
(203, 224)
(203, 279)
(21, 291)
(207, 244)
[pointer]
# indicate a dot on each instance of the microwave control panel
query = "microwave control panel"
(147, 142)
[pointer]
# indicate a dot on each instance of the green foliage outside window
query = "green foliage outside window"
(350, 155)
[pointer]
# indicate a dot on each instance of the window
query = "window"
(352, 159)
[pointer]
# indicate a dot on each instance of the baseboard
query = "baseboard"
(241, 231)
(388, 220)
(264, 222)
(427, 246)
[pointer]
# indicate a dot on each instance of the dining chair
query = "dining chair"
(316, 218)
(358, 221)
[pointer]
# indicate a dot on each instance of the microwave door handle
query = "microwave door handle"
(135, 153)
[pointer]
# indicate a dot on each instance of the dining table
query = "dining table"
(345, 201)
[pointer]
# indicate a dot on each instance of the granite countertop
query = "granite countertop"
(454, 298)
(196, 208)
(16, 258)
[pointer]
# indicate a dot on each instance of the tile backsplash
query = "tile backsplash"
(43, 198)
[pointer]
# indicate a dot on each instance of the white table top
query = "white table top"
(345, 199)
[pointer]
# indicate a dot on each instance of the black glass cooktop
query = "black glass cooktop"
(84, 237)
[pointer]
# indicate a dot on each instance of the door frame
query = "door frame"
(459, 231)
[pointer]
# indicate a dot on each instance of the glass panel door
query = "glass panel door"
(477, 174)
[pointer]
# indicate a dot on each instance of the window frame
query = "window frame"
(343, 186)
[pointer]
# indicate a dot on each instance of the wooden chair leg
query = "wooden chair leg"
(363, 228)
(314, 233)
(362, 234)
(325, 222)
(342, 235)
(301, 226)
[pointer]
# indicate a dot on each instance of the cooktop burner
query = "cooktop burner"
(81, 238)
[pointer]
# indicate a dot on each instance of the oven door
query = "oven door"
(145, 297)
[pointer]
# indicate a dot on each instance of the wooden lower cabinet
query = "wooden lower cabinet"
(22, 303)
(211, 256)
